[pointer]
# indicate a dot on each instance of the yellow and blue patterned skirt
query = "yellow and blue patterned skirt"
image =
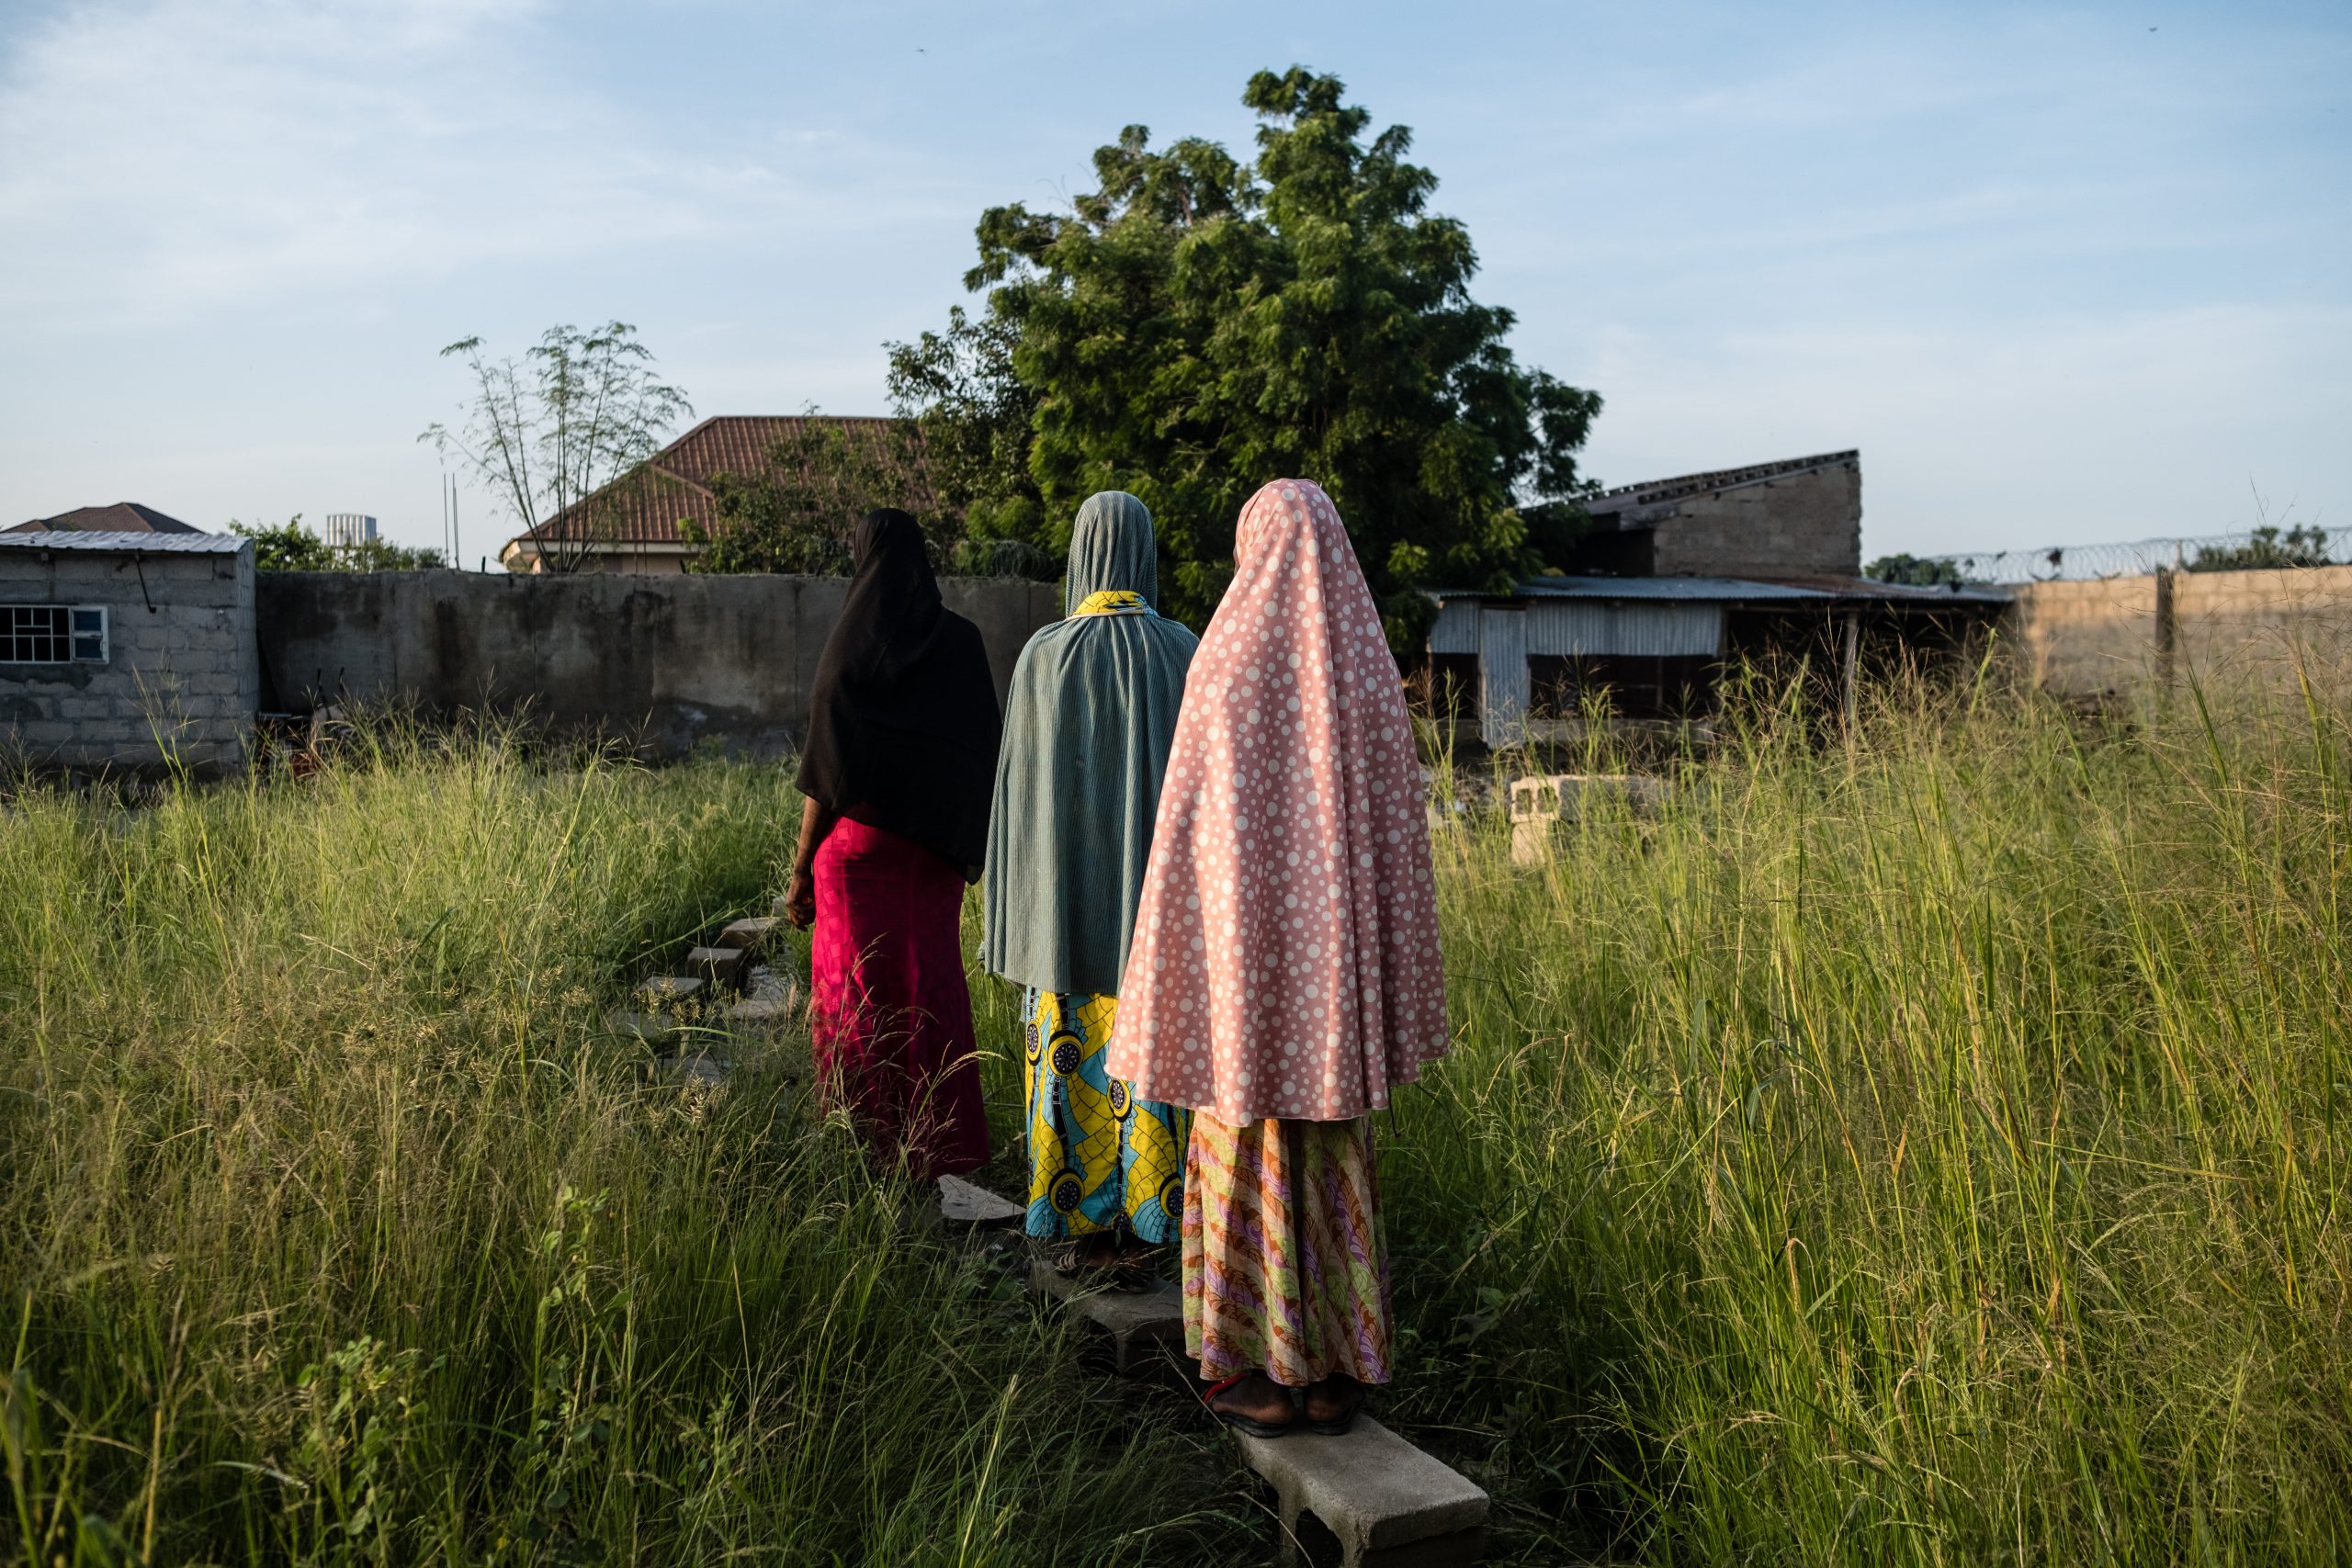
(1099, 1159)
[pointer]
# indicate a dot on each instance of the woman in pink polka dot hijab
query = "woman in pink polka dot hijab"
(1285, 975)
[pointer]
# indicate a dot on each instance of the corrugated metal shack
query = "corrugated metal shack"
(1521, 666)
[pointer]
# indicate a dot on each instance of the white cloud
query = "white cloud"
(173, 155)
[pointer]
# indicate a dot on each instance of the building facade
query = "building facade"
(127, 652)
(1800, 515)
(1676, 581)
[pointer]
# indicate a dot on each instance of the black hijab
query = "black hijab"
(903, 723)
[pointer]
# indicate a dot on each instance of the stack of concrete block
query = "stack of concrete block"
(1364, 1499)
(1540, 803)
(1369, 1499)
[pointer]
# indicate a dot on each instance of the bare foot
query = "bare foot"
(1334, 1399)
(1080, 1254)
(1260, 1398)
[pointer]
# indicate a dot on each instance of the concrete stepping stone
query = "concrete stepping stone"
(766, 1012)
(671, 989)
(701, 1068)
(653, 1028)
(1368, 1500)
(750, 935)
(966, 1203)
(1142, 1324)
(719, 966)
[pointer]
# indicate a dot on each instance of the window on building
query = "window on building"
(53, 634)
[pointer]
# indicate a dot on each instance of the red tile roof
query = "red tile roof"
(122, 517)
(682, 471)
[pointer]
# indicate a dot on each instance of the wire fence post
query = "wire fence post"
(2167, 627)
(1849, 665)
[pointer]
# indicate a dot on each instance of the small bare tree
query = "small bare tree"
(573, 426)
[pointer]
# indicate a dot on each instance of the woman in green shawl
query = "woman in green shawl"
(1093, 705)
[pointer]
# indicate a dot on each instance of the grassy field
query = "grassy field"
(1922, 1146)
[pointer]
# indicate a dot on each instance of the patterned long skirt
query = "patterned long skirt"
(1099, 1159)
(1286, 1266)
(889, 1016)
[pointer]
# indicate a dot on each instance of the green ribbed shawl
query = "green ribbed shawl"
(1087, 725)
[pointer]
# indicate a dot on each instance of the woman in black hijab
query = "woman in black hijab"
(897, 773)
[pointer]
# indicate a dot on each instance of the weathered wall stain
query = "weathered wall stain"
(671, 661)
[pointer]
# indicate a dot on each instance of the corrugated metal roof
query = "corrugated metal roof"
(1720, 590)
(1728, 590)
(122, 517)
(1889, 592)
(127, 544)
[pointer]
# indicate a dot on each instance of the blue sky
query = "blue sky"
(2063, 274)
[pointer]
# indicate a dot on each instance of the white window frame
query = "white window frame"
(105, 633)
(75, 632)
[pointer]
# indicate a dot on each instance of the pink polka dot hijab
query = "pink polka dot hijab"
(1286, 955)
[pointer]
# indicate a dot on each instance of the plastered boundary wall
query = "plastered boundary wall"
(671, 661)
(2225, 629)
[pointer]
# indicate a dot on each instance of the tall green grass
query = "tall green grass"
(336, 1227)
(1926, 1145)
(1916, 1145)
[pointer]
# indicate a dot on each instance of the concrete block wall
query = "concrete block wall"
(1792, 525)
(2229, 629)
(181, 682)
(2259, 625)
(2087, 638)
(671, 661)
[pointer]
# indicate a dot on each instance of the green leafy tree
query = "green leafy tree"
(575, 422)
(290, 546)
(1197, 325)
(974, 414)
(1915, 572)
(2268, 548)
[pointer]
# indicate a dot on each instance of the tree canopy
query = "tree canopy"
(1198, 325)
(798, 511)
(2268, 548)
(290, 546)
(1917, 571)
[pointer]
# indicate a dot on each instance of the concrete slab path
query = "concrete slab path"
(1369, 1499)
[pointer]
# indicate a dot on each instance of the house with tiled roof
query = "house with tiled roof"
(122, 517)
(637, 523)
